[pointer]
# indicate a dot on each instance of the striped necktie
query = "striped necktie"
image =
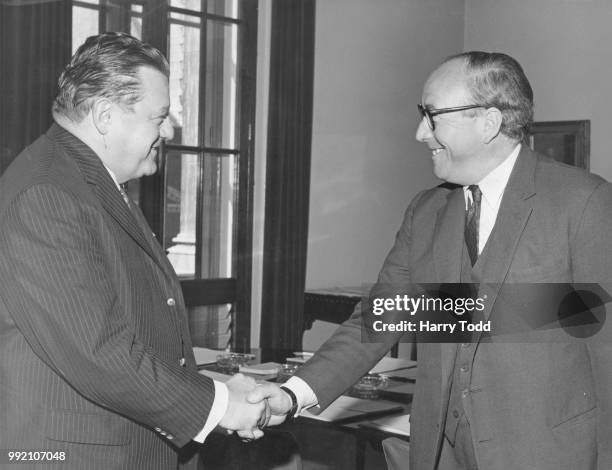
(472, 218)
(125, 196)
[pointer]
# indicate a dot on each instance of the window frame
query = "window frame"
(234, 290)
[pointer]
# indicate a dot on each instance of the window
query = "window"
(199, 203)
(92, 16)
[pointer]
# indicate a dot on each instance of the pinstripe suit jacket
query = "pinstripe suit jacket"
(92, 319)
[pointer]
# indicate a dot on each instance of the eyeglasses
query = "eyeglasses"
(429, 114)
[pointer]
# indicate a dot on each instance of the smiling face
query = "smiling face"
(134, 135)
(457, 142)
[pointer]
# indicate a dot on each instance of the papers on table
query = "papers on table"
(265, 370)
(384, 366)
(300, 357)
(206, 356)
(398, 424)
(346, 409)
(387, 364)
(403, 375)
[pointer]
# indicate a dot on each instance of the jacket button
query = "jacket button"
(455, 413)
(171, 302)
(182, 362)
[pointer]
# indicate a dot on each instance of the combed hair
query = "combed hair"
(497, 80)
(105, 66)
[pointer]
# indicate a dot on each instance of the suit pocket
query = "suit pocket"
(87, 428)
(550, 272)
(575, 440)
(569, 424)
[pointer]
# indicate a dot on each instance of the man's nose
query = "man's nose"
(166, 131)
(423, 131)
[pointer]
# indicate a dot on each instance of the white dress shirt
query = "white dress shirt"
(492, 187)
(221, 401)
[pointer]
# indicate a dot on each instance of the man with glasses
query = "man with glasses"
(505, 215)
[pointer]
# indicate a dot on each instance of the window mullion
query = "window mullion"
(201, 138)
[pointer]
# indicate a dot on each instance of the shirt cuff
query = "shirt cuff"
(217, 411)
(306, 398)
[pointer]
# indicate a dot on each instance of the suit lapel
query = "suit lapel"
(103, 186)
(514, 213)
(447, 251)
(159, 253)
(448, 238)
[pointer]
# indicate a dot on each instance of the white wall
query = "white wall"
(371, 60)
(563, 46)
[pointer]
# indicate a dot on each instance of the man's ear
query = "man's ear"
(492, 124)
(101, 114)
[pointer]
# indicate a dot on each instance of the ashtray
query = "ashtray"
(287, 370)
(229, 363)
(369, 386)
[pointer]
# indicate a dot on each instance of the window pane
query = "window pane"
(221, 85)
(218, 198)
(182, 174)
(184, 57)
(195, 5)
(220, 191)
(227, 8)
(136, 21)
(84, 24)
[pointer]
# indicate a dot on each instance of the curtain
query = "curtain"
(35, 45)
(288, 173)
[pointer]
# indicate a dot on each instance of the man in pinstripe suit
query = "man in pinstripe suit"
(95, 353)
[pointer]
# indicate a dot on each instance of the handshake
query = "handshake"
(252, 407)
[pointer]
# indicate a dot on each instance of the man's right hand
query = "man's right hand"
(241, 415)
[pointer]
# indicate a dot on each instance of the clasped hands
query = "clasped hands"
(252, 407)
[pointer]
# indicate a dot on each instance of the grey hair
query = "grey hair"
(107, 66)
(497, 80)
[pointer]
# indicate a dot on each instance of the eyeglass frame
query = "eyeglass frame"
(429, 114)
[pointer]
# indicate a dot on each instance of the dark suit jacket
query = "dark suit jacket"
(542, 402)
(92, 319)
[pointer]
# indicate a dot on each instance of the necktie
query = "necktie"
(140, 220)
(472, 217)
(125, 196)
